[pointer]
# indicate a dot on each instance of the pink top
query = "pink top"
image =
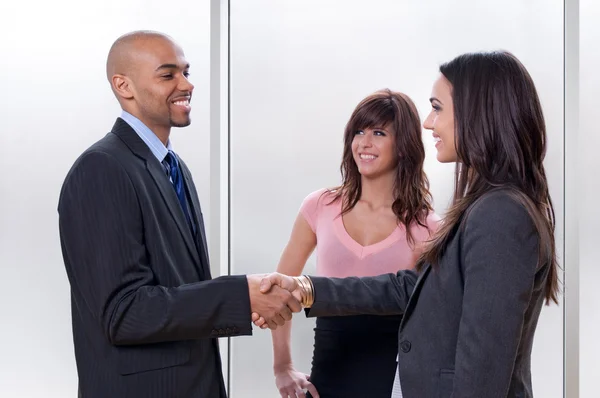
(339, 255)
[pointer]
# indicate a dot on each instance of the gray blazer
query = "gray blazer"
(468, 325)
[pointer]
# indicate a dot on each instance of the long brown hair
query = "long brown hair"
(412, 200)
(500, 138)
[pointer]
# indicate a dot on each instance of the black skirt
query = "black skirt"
(355, 356)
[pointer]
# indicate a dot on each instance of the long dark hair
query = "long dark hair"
(500, 138)
(412, 200)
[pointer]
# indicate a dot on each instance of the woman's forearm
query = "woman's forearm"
(282, 352)
(379, 295)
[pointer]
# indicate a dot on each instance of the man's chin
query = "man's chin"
(181, 123)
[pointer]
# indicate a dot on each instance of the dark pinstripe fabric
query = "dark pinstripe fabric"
(145, 310)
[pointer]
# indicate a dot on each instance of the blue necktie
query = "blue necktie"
(173, 171)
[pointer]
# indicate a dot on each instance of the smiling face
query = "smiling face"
(373, 150)
(441, 120)
(383, 137)
(154, 85)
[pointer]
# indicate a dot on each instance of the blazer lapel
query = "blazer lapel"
(140, 149)
(199, 219)
(415, 295)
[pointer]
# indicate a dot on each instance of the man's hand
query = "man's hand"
(275, 304)
(275, 281)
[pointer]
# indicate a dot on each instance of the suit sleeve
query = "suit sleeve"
(102, 237)
(500, 257)
(386, 294)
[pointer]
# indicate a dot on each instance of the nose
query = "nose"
(366, 140)
(428, 122)
(185, 84)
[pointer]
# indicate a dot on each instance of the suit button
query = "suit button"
(405, 346)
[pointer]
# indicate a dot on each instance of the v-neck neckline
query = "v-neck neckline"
(356, 248)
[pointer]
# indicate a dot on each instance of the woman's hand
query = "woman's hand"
(293, 384)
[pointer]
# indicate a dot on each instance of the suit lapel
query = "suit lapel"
(198, 218)
(155, 169)
(170, 198)
(415, 295)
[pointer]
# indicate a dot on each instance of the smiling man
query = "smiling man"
(146, 313)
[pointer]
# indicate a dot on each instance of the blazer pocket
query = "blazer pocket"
(142, 358)
(446, 383)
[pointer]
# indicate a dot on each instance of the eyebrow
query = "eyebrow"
(435, 99)
(171, 66)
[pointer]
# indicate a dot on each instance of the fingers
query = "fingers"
(294, 305)
(279, 320)
(286, 313)
(271, 324)
(312, 389)
(292, 392)
(283, 316)
(289, 392)
(285, 282)
(260, 321)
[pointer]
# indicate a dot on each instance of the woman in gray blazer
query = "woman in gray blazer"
(471, 309)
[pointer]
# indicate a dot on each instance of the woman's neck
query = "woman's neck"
(378, 192)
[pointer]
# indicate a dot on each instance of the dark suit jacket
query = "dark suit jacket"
(468, 325)
(145, 311)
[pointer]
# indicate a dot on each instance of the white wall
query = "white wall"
(298, 69)
(589, 211)
(55, 103)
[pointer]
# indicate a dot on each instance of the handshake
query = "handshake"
(274, 297)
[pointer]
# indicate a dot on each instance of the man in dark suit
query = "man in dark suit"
(146, 313)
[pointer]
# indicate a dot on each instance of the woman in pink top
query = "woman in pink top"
(360, 229)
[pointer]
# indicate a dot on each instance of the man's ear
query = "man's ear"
(122, 86)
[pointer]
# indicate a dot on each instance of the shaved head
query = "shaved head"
(148, 73)
(127, 49)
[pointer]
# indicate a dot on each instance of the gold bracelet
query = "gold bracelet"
(311, 298)
(302, 287)
(305, 285)
(307, 288)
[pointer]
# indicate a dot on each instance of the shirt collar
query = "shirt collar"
(159, 150)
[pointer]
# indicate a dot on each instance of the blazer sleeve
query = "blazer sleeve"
(500, 258)
(386, 294)
(102, 237)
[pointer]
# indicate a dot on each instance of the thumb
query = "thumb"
(266, 284)
(287, 282)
